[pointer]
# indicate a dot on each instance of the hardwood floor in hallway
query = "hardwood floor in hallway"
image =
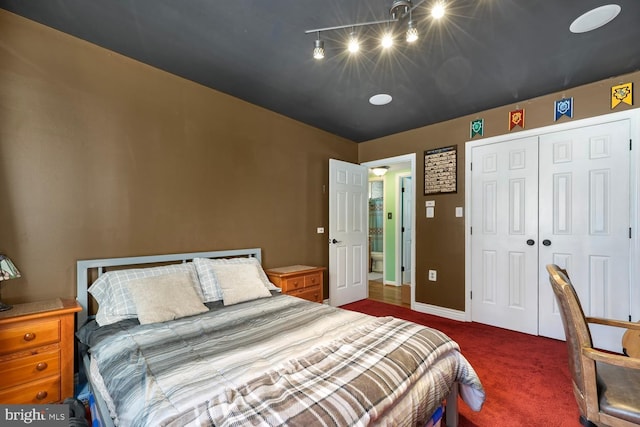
(386, 293)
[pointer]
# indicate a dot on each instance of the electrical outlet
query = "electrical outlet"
(433, 275)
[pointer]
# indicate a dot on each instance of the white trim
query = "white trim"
(399, 209)
(436, 310)
(634, 266)
(405, 158)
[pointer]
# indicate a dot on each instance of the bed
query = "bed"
(204, 339)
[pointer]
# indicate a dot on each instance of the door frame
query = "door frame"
(411, 159)
(634, 186)
(399, 232)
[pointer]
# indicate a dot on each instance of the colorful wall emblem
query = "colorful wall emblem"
(477, 127)
(622, 93)
(516, 118)
(563, 107)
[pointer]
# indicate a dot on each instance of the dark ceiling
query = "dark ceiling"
(483, 54)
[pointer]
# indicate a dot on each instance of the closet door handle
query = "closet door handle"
(546, 242)
(334, 241)
(531, 242)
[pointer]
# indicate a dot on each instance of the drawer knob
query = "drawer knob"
(42, 366)
(29, 336)
(41, 395)
(313, 280)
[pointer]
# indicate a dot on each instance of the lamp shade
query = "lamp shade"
(7, 269)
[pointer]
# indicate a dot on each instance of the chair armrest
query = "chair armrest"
(611, 359)
(612, 322)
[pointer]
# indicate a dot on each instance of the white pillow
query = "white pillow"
(113, 297)
(166, 297)
(210, 287)
(240, 282)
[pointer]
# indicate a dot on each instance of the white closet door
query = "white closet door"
(504, 246)
(584, 221)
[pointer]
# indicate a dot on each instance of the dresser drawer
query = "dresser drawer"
(313, 280)
(46, 390)
(292, 284)
(313, 294)
(29, 368)
(29, 334)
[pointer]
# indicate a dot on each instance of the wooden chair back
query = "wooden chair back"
(577, 335)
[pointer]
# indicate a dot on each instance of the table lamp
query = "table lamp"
(7, 271)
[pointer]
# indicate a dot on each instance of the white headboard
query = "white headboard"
(83, 267)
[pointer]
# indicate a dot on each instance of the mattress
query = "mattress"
(276, 361)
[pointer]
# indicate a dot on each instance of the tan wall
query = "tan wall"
(440, 241)
(102, 156)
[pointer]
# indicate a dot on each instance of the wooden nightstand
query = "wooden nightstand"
(37, 352)
(301, 281)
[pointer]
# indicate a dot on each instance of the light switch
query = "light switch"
(459, 212)
(430, 203)
(430, 212)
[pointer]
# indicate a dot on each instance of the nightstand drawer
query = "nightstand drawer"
(29, 368)
(312, 280)
(310, 294)
(46, 390)
(29, 334)
(292, 284)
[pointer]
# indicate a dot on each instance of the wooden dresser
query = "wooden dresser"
(37, 352)
(301, 281)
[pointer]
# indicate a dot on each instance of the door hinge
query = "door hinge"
(629, 318)
(403, 189)
(471, 230)
(471, 295)
(471, 165)
(402, 269)
(629, 232)
(630, 144)
(403, 229)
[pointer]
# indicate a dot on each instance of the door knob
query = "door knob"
(334, 241)
(531, 242)
(546, 242)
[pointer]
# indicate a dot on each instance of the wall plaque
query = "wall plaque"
(440, 169)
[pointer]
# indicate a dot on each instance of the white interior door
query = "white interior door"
(504, 255)
(584, 223)
(407, 212)
(348, 230)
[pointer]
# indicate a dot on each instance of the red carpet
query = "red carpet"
(525, 377)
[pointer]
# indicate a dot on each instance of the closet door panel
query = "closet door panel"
(504, 260)
(584, 219)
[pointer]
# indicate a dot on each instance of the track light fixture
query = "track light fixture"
(318, 49)
(399, 11)
(354, 44)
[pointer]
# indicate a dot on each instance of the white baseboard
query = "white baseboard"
(435, 310)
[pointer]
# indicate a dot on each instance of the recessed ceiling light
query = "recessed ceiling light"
(380, 99)
(595, 18)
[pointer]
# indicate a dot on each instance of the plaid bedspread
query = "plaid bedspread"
(355, 378)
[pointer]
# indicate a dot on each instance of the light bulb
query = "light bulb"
(412, 33)
(354, 45)
(387, 41)
(438, 11)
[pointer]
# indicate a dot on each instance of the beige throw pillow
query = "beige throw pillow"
(240, 282)
(165, 297)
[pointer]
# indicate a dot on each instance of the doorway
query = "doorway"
(392, 251)
(349, 228)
